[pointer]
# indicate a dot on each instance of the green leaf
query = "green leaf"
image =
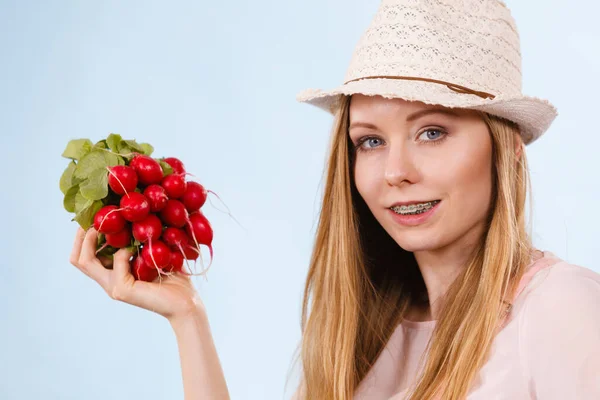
(133, 249)
(95, 160)
(129, 146)
(76, 149)
(88, 164)
(75, 180)
(114, 142)
(167, 169)
(113, 159)
(100, 145)
(81, 202)
(148, 149)
(69, 200)
(66, 180)
(85, 217)
(96, 186)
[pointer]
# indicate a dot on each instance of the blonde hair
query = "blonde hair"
(357, 293)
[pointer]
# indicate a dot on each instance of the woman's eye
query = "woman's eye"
(431, 135)
(369, 143)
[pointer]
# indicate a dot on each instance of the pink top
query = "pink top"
(548, 348)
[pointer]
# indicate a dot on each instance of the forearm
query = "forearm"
(203, 377)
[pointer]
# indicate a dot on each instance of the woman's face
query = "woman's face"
(425, 172)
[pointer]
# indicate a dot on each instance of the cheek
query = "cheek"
(368, 177)
(470, 179)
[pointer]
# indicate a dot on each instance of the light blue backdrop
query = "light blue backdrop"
(214, 83)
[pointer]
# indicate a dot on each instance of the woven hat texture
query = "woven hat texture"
(454, 53)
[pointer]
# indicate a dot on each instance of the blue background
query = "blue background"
(214, 83)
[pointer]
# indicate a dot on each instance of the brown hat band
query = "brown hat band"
(451, 86)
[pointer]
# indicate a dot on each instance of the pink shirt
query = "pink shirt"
(549, 348)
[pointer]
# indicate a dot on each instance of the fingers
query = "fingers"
(123, 282)
(88, 262)
(121, 265)
(74, 258)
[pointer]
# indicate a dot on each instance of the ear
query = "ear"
(518, 146)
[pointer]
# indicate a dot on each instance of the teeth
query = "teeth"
(414, 208)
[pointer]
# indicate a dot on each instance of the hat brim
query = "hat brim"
(533, 115)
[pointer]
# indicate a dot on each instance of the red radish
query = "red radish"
(135, 207)
(176, 263)
(200, 231)
(142, 271)
(150, 228)
(190, 251)
(175, 237)
(157, 254)
(194, 196)
(174, 185)
(148, 169)
(122, 179)
(157, 197)
(120, 239)
(134, 160)
(176, 164)
(174, 214)
(109, 220)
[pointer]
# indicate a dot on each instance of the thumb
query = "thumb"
(121, 266)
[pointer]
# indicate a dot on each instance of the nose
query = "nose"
(400, 167)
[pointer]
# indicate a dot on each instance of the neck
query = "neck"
(440, 267)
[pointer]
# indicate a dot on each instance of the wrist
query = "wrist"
(192, 315)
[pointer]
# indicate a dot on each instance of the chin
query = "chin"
(417, 246)
(414, 241)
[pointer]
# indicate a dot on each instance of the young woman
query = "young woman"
(423, 283)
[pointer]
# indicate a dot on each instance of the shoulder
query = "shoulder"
(560, 306)
(562, 291)
(563, 284)
(559, 331)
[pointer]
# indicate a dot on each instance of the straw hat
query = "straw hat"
(454, 53)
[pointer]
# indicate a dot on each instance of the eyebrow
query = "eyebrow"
(412, 117)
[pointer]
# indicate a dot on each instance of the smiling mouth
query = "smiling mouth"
(414, 209)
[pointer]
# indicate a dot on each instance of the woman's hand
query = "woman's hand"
(173, 297)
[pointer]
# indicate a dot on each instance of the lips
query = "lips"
(414, 214)
(412, 208)
(408, 203)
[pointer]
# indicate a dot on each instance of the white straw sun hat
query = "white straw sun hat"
(453, 53)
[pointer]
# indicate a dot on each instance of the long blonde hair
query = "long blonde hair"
(361, 284)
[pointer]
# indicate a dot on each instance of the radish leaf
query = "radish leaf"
(130, 146)
(66, 180)
(100, 145)
(81, 202)
(95, 160)
(148, 149)
(85, 217)
(114, 141)
(77, 148)
(167, 169)
(69, 200)
(96, 186)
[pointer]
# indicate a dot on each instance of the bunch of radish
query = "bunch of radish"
(138, 202)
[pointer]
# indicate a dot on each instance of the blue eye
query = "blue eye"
(372, 143)
(431, 135)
